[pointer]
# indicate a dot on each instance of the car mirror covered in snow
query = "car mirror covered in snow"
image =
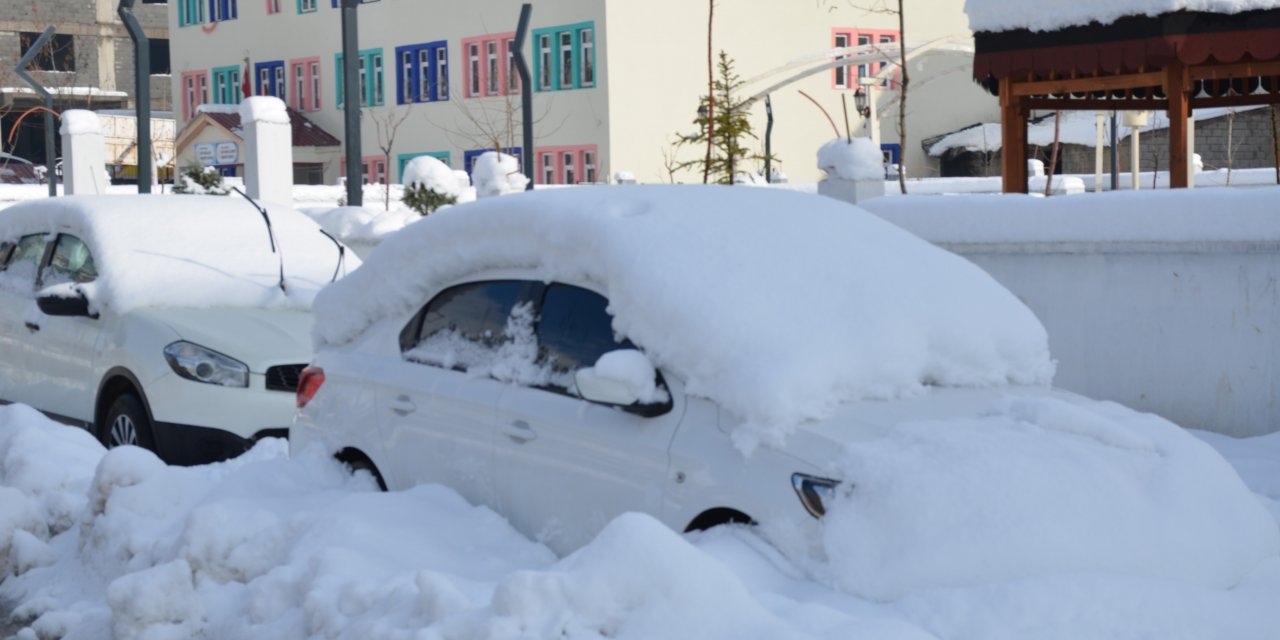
(63, 300)
(623, 377)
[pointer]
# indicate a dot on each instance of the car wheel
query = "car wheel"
(357, 461)
(127, 424)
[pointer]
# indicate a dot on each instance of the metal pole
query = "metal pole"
(21, 70)
(526, 94)
(351, 97)
(768, 140)
(142, 91)
(1115, 154)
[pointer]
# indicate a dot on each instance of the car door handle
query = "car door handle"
(520, 431)
(403, 406)
(32, 327)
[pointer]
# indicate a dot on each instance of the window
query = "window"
(589, 167)
(863, 40)
(422, 67)
(58, 53)
(159, 49)
(195, 92)
(373, 169)
(469, 156)
(70, 262)
(573, 164)
(25, 258)
(299, 85)
(305, 76)
(191, 12)
(548, 168)
(403, 160)
(226, 85)
(271, 79)
(370, 77)
(314, 67)
(306, 6)
(842, 73)
(588, 57)
(513, 74)
(476, 313)
(489, 65)
(220, 10)
(575, 328)
(573, 64)
(473, 57)
(273, 6)
(570, 176)
(885, 39)
(846, 77)
(491, 52)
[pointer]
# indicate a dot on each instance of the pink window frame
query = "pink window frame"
(482, 43)
(189, 108)
(370, 174)
(557, 159)
(271, 11)
(851, 71)
(304, 100)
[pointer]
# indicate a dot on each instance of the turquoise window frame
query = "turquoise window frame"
(404, 158)
(237, 95)
(575, 55)
(314, 7)
(185, 12)
(366, 60)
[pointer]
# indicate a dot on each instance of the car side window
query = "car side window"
(71, 262)
(575, 328)
(19, 270)
(460, 326)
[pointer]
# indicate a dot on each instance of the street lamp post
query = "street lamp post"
(866, 103)
(351, 98)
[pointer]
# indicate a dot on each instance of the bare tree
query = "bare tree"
(890, 7)
(387, 126)
(1053, 155)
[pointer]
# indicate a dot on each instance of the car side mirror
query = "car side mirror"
(625, 378)
(64, 300)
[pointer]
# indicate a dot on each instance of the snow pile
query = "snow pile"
(814, 302)
(79, 122)
(1042, 486)
(1000, 15)
(359, 227)
(268, 109)
(186, 251)
(435, 175)
(852, 159)
(495, 174)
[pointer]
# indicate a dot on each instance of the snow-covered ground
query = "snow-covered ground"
(97, 544)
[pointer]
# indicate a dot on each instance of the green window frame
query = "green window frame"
(404, 158)
(191, 12)
(372, 63)
(305, 6)
(226, 88)
(558, 78)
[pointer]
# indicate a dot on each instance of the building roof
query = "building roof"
(305, 132)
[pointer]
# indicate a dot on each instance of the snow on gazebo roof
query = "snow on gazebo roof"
(1002, 15)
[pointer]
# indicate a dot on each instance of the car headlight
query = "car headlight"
(194, 362)
(814, 492)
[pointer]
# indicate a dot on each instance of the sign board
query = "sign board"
(211, 154)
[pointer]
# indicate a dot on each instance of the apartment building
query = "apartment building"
(614, 81)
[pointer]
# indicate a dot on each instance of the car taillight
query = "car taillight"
(309, 384)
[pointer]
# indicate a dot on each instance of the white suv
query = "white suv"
(178, 323)
(696, 353)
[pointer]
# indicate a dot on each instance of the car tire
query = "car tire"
(356, 463)
(127, 423)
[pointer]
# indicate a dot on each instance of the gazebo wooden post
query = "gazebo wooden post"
(1177, 86)
(1013, 153)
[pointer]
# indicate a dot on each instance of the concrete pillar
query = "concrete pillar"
(268, 153)
(84, 154)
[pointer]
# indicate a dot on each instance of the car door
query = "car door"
(64, 346)
(437, 399)
(17, 303)
(565, 466)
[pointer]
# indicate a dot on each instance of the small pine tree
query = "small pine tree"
(424, 199)
(730, 132)
(200, 180)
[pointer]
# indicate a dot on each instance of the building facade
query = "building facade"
(614, 82)
(89, 63)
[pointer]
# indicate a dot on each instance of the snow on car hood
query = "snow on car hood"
(779, 306)
(186, 251)
(260, 338)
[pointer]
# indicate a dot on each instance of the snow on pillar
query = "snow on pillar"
(854, 168)
(268, 140)
(84, 153)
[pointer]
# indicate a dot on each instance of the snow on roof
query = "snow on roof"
(1078, 127)
(1002, 15)
(778, 305)
(69, 91)
(186, 251)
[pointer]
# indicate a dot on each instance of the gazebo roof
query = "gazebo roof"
(1133, 44)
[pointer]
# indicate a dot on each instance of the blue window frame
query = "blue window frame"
(564, 57)
(469, 157)
(892, 153)
(423, 72)
(222, 10)
(271, 80)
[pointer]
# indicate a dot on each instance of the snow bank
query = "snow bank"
(1000, 15)
(435, 175)
(264, 109)
(186, 251)
(1042, 486)
(495, 174)
(813, 302)
(853, 159)
(79, 122)
(360, 227)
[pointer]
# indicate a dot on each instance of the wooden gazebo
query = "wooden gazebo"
(1174, 62)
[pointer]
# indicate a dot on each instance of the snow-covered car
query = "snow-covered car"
(177, 323)
(696, 353)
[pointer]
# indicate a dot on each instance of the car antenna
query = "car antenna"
(342, 255)
(271, 235)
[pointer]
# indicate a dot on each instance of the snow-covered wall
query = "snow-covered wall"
(1164, 301)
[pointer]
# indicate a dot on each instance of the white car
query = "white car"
(177, 323)
(696, 353)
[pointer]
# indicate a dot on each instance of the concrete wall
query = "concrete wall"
(1143, 314)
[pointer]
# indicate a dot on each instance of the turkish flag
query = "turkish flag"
(247, 86)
